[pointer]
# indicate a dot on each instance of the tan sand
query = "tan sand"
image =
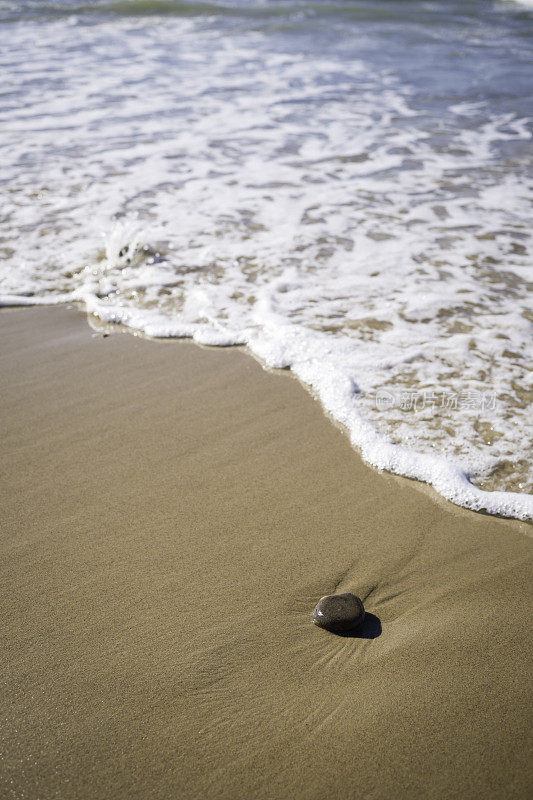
(170, 517)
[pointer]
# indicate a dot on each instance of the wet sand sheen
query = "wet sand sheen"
(171, 516)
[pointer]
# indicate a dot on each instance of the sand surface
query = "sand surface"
(170, 517)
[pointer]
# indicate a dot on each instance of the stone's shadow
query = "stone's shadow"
(370, 629)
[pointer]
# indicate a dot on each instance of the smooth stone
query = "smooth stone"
(339, 613)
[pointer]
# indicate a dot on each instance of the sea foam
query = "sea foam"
(294, 193)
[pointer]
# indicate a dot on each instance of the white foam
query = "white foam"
(302, 207)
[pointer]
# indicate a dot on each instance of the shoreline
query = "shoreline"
(172, 515)
(447, 477)
(102, 327)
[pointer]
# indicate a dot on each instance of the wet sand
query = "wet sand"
(170, 517)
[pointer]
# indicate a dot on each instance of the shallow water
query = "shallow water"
(343, 186)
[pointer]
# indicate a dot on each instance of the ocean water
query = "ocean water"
(344, 187)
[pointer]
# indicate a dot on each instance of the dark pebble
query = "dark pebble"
(339, 613)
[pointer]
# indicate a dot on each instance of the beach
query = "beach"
(171, 516)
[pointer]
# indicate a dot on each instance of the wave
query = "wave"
(10, 11)
(284, 346)
(365, 10)
(290, 191)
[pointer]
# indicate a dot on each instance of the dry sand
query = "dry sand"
(170, 516)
